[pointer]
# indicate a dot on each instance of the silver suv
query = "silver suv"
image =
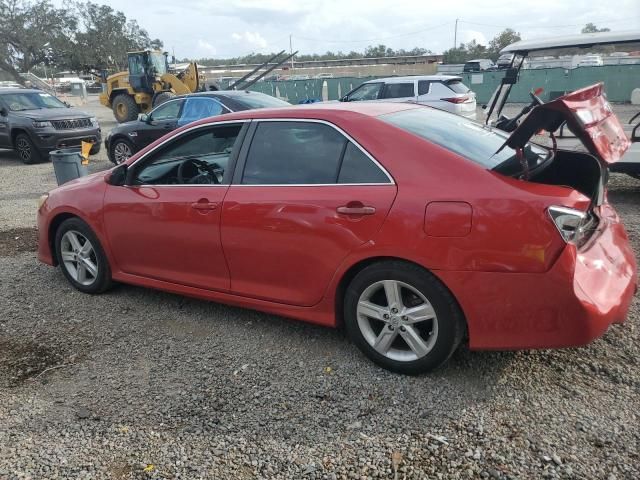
(33, 123)
(444, 92)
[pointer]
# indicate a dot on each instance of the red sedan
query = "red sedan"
(415, 228)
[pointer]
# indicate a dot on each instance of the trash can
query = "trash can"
(67, 164)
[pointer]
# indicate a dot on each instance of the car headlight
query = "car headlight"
(38, 124)
(94, 122)
(41, 201)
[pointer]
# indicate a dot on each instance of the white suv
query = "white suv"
(440, 91)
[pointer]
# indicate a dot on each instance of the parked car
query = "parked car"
(128, 138)
(478, 65)
(587, 61)
(7, 84)
(33, 123)
(445, 92)
(413, 227)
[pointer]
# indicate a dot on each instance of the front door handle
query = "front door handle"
(204, 205)
(356, 209)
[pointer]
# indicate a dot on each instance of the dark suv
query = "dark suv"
(33, 123)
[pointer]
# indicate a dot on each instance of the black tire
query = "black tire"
(99, 282)
(26, 150)
(449, 325)
(162, 97)
(95, 149)
(125, 108)
(118, 148)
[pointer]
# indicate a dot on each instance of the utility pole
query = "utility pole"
(291, 51)
(455, 35)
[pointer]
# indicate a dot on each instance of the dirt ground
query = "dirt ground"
(140, 384)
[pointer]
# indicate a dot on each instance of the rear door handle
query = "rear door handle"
(356, 208)
(204, 205)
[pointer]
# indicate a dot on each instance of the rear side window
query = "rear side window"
(293, 153)
(358, 168)
(306, 153)
(398, 90)
(423, 87)
(457, 86)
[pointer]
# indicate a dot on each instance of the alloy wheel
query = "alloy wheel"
(79, 257)
(397, 320)
(121, 152)
(24, 149)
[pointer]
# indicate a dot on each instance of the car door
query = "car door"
(160, 121)
(197, 108)
(5, 139)
(399, 92)
(304, 196)
(165, 223)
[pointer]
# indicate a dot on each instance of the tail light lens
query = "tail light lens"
(575, 226)
(456, 99)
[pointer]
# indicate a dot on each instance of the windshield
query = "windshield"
(366, 91)
(258, 100)
(158, 63)
(19, 102)
(457, 86)
(468, 139)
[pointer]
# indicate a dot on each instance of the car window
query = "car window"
(198, 157)
(423, 87)
(460, 135)
(31, 101)
(293, 153)
(440, 90)
(457, 86)
(398, 90)
(197, 108)
(167, 111)
(366, 91)
(357, 167)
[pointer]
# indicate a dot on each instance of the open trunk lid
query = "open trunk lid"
(588, 115)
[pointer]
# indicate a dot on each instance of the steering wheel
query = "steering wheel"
(203, 173)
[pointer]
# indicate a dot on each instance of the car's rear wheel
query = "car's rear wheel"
(26, 150)
(81, 257)
(120, 150)
(402, 317)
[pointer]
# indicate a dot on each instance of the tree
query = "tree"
(591, 28)
(104, 38)
(500, 41)
(31, 33)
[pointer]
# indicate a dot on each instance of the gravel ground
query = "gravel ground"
(142, 384)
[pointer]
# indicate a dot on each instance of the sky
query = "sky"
(230, 28)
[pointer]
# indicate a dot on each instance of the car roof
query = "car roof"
(579, 40)
(19, 90)
(409, 78)
(480, 60)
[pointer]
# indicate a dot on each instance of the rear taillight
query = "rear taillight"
(575, 226)
(456, 99)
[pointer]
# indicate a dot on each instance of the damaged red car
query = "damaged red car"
(414, 228)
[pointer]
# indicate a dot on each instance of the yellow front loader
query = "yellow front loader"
(146, 84)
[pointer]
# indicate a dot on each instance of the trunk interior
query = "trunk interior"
(578, 170)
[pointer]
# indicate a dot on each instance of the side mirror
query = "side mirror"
(67, 104)
(118, 175)
(143, 117)
(3, 112)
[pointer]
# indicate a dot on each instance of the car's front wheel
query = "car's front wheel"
(120, 150)
(26, 150)
(402, 317)
(81, 257)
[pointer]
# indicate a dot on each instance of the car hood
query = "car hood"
(52, 114)
(588, 115)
